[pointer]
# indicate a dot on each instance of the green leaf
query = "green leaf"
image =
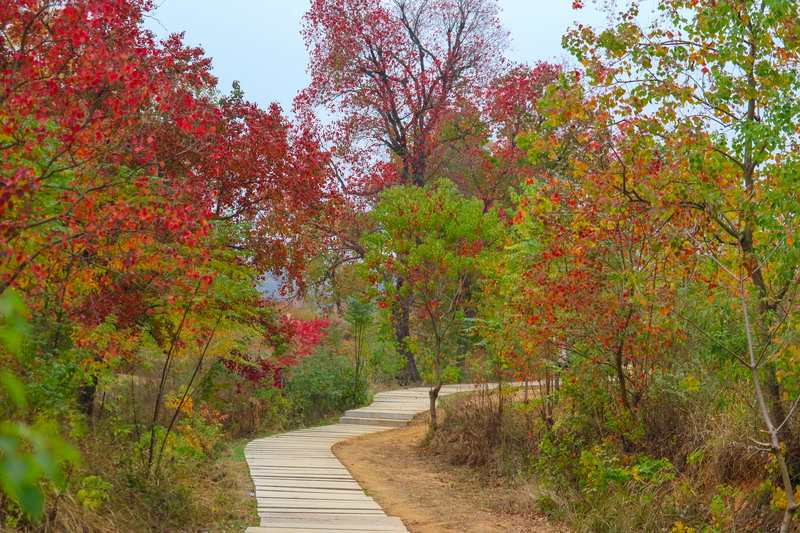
(14, 326)
(15, 389)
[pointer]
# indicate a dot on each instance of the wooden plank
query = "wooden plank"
(300, 511)
(276, 493)
(336, 505)
(325, 529)
(301, 486)
(315, 527)
(322, 528)
(322, 483)
(330, 518)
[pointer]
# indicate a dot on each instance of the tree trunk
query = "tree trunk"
(772, 388)
(623, 389)
(86, 394)
(402, 330)
(359, 341)
(465, 338)
(619, 365)
(434, 395)
(418, 172)
(547, 405)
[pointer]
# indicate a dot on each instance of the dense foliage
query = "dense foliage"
(139, 208)
(618, 233)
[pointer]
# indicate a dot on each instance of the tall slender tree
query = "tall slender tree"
(390, 70)
(708, 94)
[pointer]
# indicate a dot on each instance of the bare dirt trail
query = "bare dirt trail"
(431, 497)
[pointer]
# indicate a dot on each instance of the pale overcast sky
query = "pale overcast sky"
(258, 42)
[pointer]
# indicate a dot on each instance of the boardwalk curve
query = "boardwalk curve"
(302, 487)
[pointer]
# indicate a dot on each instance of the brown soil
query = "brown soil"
(431, 497)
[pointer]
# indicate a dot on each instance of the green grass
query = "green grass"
(236, 450)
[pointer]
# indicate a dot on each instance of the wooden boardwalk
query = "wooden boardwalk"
(302, 487)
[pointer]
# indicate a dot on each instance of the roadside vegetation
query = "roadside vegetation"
(181, 270)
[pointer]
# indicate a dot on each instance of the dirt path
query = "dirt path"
(433, 498)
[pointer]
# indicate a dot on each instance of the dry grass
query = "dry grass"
(214, 498)
(482, 429)
(708, 438)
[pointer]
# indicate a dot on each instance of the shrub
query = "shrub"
(323, 384)
(483, 429)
